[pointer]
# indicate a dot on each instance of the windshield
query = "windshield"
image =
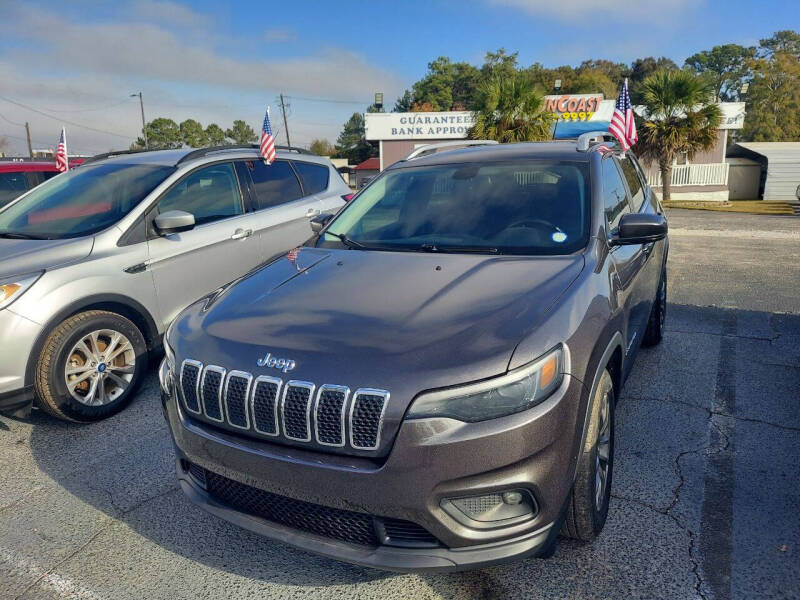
(530, 207)
(81, 202)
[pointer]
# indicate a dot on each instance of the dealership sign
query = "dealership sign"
(580, 107)
(418, 126)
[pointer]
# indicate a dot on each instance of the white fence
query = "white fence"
(701, 174)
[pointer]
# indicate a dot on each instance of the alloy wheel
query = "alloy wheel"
(100, 367)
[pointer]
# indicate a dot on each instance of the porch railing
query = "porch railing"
(700, 174)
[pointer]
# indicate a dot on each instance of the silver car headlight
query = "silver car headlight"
(11, 289)
(514, 392)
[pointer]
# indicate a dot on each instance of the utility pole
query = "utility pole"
(285, 123)
(144, 124)
(28, 134)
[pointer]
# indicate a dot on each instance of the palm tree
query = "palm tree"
(509, 109)
(680, 118)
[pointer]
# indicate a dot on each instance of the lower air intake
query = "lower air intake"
(343, 525)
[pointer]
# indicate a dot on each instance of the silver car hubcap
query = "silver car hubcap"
(603, 452)
(100, 367)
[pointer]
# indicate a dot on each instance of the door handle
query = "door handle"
(241, 234)
(313, 212)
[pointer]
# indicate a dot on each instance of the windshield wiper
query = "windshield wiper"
(473, 249)
(347, 241)
(15, 235)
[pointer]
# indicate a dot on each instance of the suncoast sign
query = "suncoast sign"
(418, 126)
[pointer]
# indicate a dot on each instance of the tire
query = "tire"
(587, 509)
(95, 390)
(658, 314)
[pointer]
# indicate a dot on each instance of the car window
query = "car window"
(615, 198)
(314, 177)
(514, 207)
(634, 182)
(273, 184)
(83, 201)
(11, 186)
(210, 194)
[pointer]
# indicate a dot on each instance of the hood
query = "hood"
(18, 257)
(398, 321)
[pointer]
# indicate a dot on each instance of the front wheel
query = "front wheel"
(588, 504)
(90, 366)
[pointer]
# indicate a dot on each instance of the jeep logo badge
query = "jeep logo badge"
(284, 364)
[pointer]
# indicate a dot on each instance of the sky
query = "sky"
(76, 64)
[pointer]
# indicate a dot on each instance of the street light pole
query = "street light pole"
(144, 124)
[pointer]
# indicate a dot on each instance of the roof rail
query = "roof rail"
(201, 152)
(97, 157)
(432, 148)
(585, 140)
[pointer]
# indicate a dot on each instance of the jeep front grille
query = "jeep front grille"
(298, 411)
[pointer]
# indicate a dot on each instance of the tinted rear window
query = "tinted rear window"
(314, 177)
(274, 184)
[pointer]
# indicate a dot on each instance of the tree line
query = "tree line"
(165, 134)
(766, 77)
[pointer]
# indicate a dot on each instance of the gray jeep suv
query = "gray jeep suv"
(430, 381)
(95, 263)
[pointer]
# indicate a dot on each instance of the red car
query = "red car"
(17, 177)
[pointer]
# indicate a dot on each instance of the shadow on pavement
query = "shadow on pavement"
(124, 468)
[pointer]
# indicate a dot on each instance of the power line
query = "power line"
(7, 120)
(82, 110)
(331, 100)
(73, 123)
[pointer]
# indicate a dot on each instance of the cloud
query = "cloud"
(184, 64)
(171, 13)
(594, 12)
(276, 35)
(152, 52)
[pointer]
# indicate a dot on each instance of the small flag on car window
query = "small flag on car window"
(267, 140)
(622, 125)
(62, 163)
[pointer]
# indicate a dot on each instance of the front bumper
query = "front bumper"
(17, 339)
(431, 460)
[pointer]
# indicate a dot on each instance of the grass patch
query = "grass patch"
(758, 207)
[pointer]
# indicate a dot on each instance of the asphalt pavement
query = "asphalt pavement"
(705, 492)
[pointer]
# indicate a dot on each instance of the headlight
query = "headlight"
(514, 392)
(11, 289)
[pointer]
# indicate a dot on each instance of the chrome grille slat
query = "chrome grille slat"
(329, 415)
(235, 396)
(296, 410)
(190, 385)
(264, 404)
(366, 418)
(211, 392)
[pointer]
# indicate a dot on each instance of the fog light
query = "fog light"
(512, 497)
(491, 510)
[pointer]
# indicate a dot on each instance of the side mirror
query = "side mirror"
(637, 228)
(318, 223)
(173, 221)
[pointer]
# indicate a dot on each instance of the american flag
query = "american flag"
(62, 164)
(267, 140)
(622, 126)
